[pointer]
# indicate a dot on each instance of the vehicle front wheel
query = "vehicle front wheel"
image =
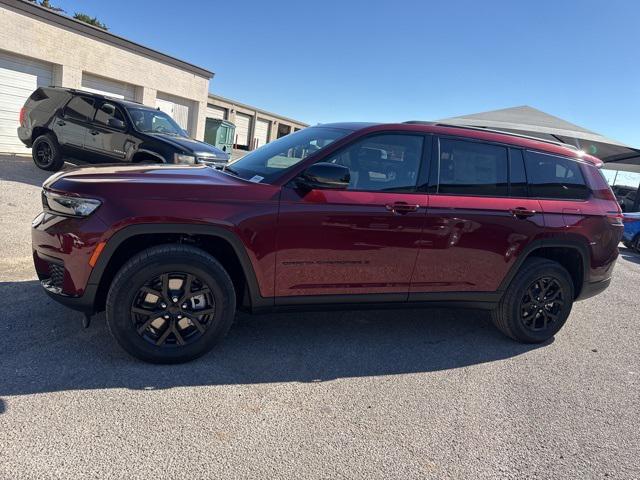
(170, 304)
(46, 153)
(537, 303)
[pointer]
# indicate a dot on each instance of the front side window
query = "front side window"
(471, 168)
(551, 176)
(270, 161)
(80, 108)
(107, 113)
(147, 120)
(383, 163)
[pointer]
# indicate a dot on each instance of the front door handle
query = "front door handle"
(402, 208)
(522, 213)
(62, 123)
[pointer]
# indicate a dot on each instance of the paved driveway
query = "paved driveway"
(375, 394)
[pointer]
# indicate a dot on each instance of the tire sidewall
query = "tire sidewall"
(126, 287)
(529, 276)
(56, 162)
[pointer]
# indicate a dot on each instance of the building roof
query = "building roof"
(83, 28)
(258, 110)
(531, 121)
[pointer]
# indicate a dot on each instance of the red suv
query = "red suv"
(347, 215)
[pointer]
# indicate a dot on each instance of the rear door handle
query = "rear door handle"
(402, 208)
(521, 212)
(62, 123)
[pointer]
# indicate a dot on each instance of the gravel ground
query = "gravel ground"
(375, 394)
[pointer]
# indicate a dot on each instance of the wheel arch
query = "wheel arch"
(221, 243)
(572, 254)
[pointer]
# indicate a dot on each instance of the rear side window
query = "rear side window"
(551, 176)
(108, 112)
(470, 168)
(80, 108)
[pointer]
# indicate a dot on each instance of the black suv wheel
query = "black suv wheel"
(170, 304)
(46, 153)
(537, 303)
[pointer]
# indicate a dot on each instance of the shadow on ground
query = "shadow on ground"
(22, 169)
(630, 255)
(43, 347)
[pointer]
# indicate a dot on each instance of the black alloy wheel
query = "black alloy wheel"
(173, 309)
(542, 304)
(44, 154)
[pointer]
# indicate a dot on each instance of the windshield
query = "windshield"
(271, 160)
(154, 121)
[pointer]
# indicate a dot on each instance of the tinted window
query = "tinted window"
(383, 163)
(517, 175)
(470, 168)
(108, 112)
(80, 108)
(554, 177)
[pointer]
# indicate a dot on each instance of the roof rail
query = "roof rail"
(493, 130)
(99, 95)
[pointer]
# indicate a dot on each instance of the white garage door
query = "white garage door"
(216, 112)
(106, 86)
(177, 108)
(242, 129)
(19, 77)
(261, 135)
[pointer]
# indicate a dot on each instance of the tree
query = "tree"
(83, 17)
(47, 4)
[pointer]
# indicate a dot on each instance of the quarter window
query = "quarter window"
(471, 168)
(382, 163)
(80, 108)
(551, 176)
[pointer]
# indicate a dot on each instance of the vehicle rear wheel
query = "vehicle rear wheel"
(537, 303)
(170, 304)
(46, 153)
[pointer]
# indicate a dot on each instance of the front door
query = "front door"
(480, 218)
(359, 241)
(107, 139)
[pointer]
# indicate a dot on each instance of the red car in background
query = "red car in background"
(343, 214)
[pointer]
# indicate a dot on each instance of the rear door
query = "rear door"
(73, 126)
(479, 220)
(359, 241)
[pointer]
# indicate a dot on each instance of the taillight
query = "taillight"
(23, 116)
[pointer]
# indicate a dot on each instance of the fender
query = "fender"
(257, 301)
(572, 243)
(148, 152)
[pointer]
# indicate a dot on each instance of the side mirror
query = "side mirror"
(115, 123)
(328, 176)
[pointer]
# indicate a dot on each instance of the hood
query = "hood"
(137, 177)
(200, 149)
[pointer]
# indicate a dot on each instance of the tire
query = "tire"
(46, 153)
(520, 316)
(131, 289)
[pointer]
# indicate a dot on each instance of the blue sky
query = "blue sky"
(397, 60)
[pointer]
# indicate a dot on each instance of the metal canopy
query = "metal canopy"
(533, 122)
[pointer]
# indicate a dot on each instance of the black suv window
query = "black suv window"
(384, 163)
(109, 112)
(551, 176)
(471, 168)
(80, 108)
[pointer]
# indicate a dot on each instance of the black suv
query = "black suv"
(61, 122)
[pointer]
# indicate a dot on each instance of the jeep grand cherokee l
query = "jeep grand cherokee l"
(61, 122)
(340, 214)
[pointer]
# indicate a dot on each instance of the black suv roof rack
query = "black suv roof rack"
(99, 95)
(558, 142)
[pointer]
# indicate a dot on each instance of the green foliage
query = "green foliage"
(83, 17)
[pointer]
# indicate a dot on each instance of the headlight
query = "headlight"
(184, 159)
(73, 206)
